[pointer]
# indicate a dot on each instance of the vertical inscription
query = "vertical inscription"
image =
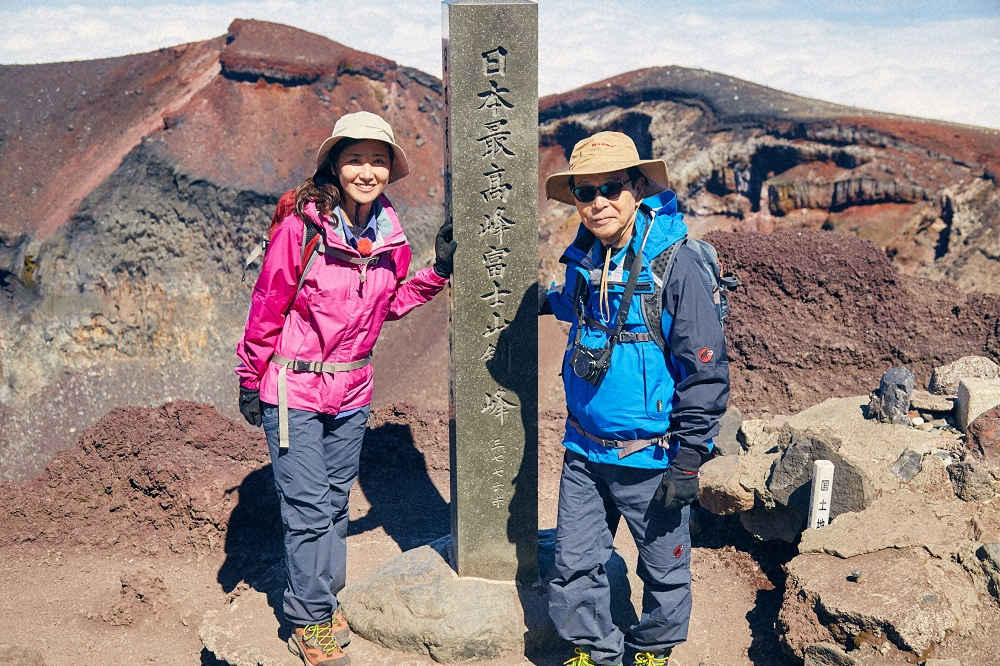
(491, 84)
(493, 148)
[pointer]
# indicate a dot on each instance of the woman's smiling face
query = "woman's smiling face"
(363, 170)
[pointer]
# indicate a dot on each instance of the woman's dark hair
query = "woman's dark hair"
(323, 187)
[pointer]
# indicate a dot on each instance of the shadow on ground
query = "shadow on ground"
(396, 482)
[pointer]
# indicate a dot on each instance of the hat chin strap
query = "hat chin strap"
(626, 232)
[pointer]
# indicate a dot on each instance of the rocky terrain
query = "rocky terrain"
(136, 185)
(139, 502)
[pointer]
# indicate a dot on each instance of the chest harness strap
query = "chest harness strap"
(303, 366)
(364, 262)
(626, 447)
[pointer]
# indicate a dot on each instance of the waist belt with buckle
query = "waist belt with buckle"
(626, 447)
(302, 366)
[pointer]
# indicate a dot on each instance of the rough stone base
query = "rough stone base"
(416, 604)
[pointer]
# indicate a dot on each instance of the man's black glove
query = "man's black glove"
(679, 486)
(444, 250)
(250, 405)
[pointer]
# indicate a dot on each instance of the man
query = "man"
(641, 419)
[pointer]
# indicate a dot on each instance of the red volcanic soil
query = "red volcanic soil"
(159, 515)
(972, 145)
(76, 121)
(822, 315)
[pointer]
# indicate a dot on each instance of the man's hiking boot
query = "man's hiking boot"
(315, 645)
(341, 632)
(582, 658)
(654, 658)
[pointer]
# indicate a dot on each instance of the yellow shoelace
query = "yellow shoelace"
(581, 659)
(605, 305)
(323, 635)
(649, 659)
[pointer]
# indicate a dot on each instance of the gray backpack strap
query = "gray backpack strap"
(652, 304)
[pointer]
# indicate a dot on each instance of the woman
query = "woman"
(305, 371)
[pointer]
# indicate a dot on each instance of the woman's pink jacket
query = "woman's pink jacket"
(336, 316)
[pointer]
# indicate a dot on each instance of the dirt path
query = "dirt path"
(125, 592)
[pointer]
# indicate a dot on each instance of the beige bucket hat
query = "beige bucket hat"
(365, 125)
(605, 152)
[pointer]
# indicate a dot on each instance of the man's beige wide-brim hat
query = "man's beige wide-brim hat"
(605, 152)
(364, 125)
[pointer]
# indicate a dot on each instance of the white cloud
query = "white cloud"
(929, 67)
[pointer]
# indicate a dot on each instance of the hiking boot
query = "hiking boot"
(315, 645)
(341, 632)
(582, 658)
(654, 658)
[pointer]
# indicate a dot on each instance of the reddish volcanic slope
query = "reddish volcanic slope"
(819, 315)
(245, 111)
(67, 126)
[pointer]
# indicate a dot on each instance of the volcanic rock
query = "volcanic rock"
(720, 489)
(972, 482)
(911, 598)
(975, 396)
(826, 654)
(931, 402)
(982, 437)
(945, 378)
(892, 401)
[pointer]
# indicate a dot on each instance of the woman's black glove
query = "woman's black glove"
(250, 405)
(444, 250)
(679, 486)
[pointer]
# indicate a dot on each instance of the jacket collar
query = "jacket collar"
(388, 231)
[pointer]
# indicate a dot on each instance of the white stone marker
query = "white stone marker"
(822, 490)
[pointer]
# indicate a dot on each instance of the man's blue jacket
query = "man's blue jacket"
(645, 393)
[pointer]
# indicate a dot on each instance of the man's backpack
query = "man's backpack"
(661, 267)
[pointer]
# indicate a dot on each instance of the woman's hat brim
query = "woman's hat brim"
(363, 125)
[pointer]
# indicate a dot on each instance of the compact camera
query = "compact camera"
(589, 364)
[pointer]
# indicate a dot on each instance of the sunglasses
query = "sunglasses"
(587, 193)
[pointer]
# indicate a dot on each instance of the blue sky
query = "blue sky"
(915, 57)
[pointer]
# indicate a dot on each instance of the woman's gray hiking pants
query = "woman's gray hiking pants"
(313, 477)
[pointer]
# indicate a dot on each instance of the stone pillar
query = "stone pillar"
(491, 188)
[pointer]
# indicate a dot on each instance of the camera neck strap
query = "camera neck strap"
(626, 302)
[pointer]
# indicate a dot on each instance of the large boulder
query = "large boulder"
(416, 604)
(870, 459)
(792, 473)
(721, 491)
(904, 519)
(975, 396)
(909, 597)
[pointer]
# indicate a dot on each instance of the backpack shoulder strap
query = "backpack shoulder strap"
(652, 304)
(312, 238)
